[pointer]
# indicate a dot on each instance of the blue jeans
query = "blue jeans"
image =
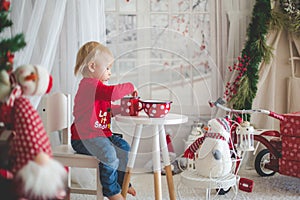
(113, 155)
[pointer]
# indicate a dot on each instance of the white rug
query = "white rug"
(275, 188)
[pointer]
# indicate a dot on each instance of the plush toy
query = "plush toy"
(34, 174)
(213, 157)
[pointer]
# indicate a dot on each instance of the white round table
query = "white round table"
(159, 143)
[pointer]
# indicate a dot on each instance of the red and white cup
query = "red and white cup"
(130, 106)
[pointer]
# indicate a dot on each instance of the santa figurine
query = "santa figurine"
(213, 153)
(34, 174)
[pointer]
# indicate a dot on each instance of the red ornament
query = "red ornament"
(10, 57)
(5, 5)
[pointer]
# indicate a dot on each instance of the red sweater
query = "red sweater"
(92, 108)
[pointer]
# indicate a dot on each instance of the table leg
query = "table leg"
(131, 158)
(167, 164)
(157, 185)
(170, 182)
(156, 164)
(126, 182)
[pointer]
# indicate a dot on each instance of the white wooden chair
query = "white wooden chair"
(56, 115)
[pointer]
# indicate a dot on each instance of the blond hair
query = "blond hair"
(87, 52)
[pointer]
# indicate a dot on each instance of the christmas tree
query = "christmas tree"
(8, 45)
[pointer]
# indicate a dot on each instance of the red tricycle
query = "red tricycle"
(282, 152)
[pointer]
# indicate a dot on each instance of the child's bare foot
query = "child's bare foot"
(131, 191)
(116, 197)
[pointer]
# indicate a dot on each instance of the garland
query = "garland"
(240, 93)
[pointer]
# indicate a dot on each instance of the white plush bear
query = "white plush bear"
(214, 159)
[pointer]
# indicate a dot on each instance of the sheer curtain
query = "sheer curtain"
(84, 21)
(54, 30)
(238, 14)
(41, 23)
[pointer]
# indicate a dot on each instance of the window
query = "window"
(163, 47)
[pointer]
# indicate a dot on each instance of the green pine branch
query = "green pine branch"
(257, 49)
(12, 44)
(8, 46)
(4, 21)
(278, 20)
(244, 94)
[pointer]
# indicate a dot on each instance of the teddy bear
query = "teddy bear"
(213, 152)
(30, 166)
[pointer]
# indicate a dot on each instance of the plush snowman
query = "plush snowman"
(33, 172)
(214, 159)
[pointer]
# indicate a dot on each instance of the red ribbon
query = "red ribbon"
(215, 136)
(15, 93)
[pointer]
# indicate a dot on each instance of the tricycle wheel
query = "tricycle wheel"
(262, 158)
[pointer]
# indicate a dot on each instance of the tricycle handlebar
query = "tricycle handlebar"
(219, 103)
(276, 116)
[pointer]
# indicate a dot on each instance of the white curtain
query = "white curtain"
(54, 30)
(239, 14)
(41, 23)
(84, 21)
